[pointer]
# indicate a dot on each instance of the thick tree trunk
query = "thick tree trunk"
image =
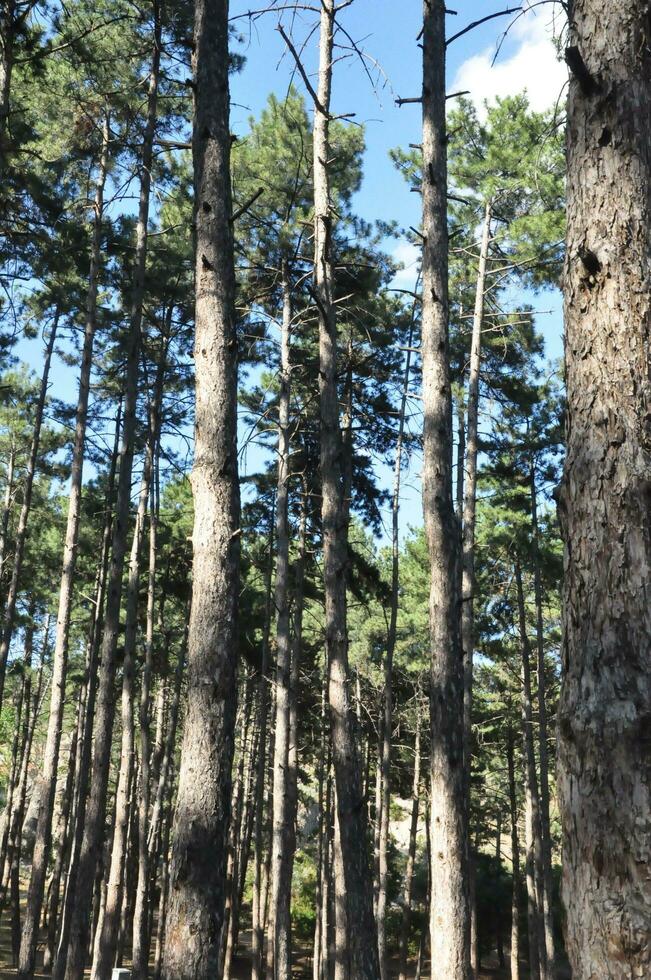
(197, 887)
(411, 856)
(9, 614)
(605, 762)
(59, 667)
(515, 863)
(357, 885)
(449, 910)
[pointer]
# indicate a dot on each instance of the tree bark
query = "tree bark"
(605, 762)
(449, 910)
(60, 663)
(197, 887)
(6, 512)
(362, 938)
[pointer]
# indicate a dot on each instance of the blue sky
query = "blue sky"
(386, 32)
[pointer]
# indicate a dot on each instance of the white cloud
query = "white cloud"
(408, 256)
(533, 66)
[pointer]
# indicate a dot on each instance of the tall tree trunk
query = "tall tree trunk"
(60, 663)
(411, 856)
(548, 918)
(62, 853)
(259, 900)
(605, 762)
(89, 693)
(515, 862)
(387, 721)
(449, 910)
(140, 944)
(9, 615)
(104, 954)
(283, 818)
(197, 887)
(362, 939)
(468, 552)
(535, 883)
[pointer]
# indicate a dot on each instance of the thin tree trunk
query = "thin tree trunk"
(468, 552)
(59, 667)
(534, 837)
(387, 721)
(282, 817)
(411, 856)
(259, 902)
(9, 615)
(62, 853)
(6, 512)
(449, 910)
(550, 944)
(104, 954)
(105, 710)
(357, 885)
(197, 887)
(82, 776)
(515, 863)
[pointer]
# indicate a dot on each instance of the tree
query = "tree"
(197, 888)
(449, 912)
(606, 697)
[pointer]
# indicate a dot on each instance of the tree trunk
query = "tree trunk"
(449, 910)
(387, 721)
(82, 775)
(9, 615)
(515, 863)
(259, 899)
(537, 951)
(60, 663)
(548, 917)
(411, 856)
(362, 939)
(283, 815)
(6, 512)
(197, 887)
(605, 762)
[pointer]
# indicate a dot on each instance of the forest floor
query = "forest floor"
(242, 966)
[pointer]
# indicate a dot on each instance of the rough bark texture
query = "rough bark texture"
(361, 946)
(60, 662)
(197, 886)
(605, 709)
(449, 911)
